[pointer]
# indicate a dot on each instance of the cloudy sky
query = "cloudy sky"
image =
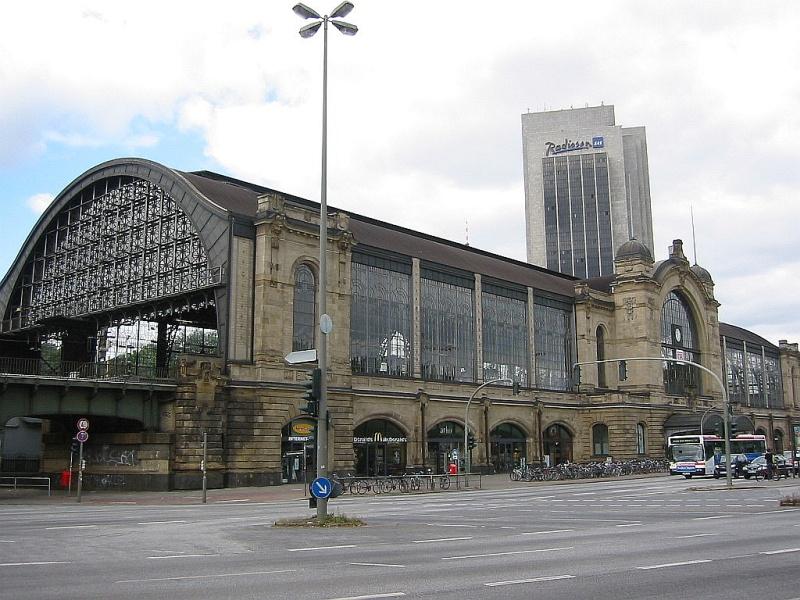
(424, 114)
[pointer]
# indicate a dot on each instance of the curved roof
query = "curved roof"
(702, 274)
(739, 333)
(634, 249)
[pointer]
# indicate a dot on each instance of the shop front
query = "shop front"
(508, 447)
(445, 446)
(380, 448)
(298, 451)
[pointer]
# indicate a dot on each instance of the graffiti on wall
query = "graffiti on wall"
(114, 456)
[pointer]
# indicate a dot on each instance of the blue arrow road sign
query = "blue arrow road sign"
(321, 487)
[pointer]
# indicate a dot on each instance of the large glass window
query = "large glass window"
(553, 342)
(734, 362)
(679, 341)
(600, 439)
(304, 309)
(448, 332)
(380, 317)
(772, 370)
(755, 379)
(641, 445)
(601, 355)
(505, 334)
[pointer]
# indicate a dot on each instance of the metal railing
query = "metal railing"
(109, 370)
(18, 482)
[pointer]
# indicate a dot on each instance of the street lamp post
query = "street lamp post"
(324, 320)
(467, 461)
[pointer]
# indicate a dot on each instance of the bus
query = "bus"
(695, 454)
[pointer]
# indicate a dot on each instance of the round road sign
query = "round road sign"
(83, 424)
(82, 436)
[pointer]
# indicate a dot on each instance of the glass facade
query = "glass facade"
(505, 334)
(734, 361)
(772, 369)
(577, 215)
(679, 341)
(553, 343)
(304, 309)
(447, 330)
(380, 317)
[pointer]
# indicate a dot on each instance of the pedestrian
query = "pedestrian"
(769, 458)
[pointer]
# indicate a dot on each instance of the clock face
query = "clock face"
(677, 335)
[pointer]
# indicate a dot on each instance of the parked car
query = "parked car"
(758, 467)
(793, 460)
(739, 462)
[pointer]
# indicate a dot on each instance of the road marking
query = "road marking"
(370, 596)
(71, 527)
(377, 565)
(694, 535)
(628, 525)
(8, 541)
(449, 525)
(180, 556)
(714, 517)
(453, 539)
(677, 564)
(231, 501)
(506, 553)
(28, 564)
(784, 551)
(205, 576)
(160, 522)
(546, 532)
(320, 548)
(534, 580)
(585, 494)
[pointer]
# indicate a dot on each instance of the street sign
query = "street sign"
(301, 356)
(82, 436)
(83, 424)
(321, 487)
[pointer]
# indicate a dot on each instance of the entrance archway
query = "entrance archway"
(557, 444)
(445, 445)
(380, 448)
(298, 450)
(507, 447)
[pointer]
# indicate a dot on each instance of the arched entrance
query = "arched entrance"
(557, 444)
(777, 439)
(445, 445)
(380, 448)
(298, 450)
(507, 447)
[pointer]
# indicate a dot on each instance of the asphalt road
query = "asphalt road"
(662, 537)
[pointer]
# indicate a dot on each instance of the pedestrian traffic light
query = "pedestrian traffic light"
(471, 441)
(312, 393)
(623, 370)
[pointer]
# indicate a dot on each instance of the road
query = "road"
(662, 537)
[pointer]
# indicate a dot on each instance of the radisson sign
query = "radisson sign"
(569, 145)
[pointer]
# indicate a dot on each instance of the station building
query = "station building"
(161, 305)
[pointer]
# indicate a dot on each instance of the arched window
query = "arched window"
(641, 446)
(304, 309)
(679, 340)
(601, 355)
(600, 439)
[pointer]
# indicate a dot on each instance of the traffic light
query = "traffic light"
(515, 388)
(312, 393)
(471, 441)
(576, 375)
(623, 370)
(733, 426)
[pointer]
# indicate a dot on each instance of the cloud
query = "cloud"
(38, 203)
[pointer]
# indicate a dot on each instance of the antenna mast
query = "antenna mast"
(694, 239)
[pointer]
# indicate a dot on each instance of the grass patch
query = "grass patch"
(314, 521)
(793, 500)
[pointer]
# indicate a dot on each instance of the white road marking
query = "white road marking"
(714, 517)
(180, 556)
(378, 565)
(28, 564)
(784, 551)
(506, 553)
(449, 525)
(8, 542)
(534, 580)
(453, 539)
(320, 548)
(160, 522)
(694, 535)
(370, 596)
(677, 564)
(231, 501)
(72, 527)
(205, 576)
(629, 525)
(545, 532)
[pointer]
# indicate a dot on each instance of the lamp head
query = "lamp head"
(342, 10)
(345, 28)
(308, 30)
(306, 12)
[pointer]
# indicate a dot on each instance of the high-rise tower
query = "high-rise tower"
(587, 189)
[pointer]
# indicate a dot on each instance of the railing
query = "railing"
(18, 482)
(112, 371)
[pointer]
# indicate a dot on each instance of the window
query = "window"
(641, 447)
(734, 361)
(447, 330)
(553, 335)
(601, 355)
(600, 439)
(772, 370)
(679, 341)
(505, 334)
(304, 309)
(380, 317)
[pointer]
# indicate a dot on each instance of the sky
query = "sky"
(424, 114)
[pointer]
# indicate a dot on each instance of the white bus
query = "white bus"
(695, 454)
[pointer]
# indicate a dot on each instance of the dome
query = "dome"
(702, 274)
(634, 249)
